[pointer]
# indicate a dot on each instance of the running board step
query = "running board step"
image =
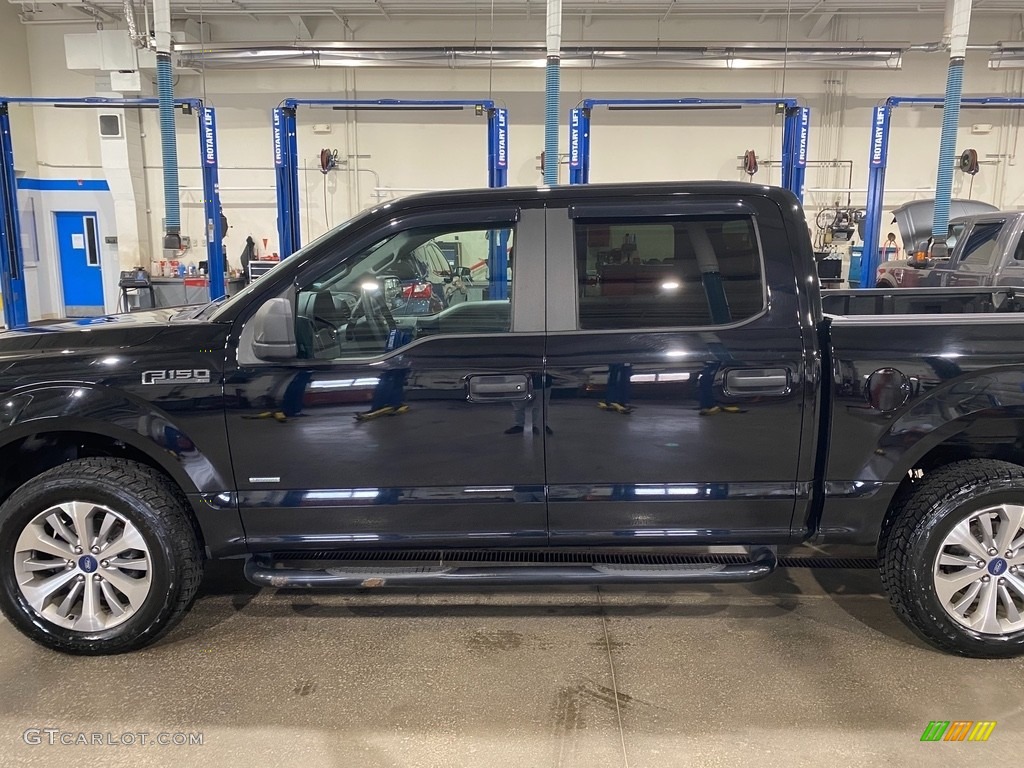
(268, 572)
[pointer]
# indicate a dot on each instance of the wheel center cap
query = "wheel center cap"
(997, 566)
(88, 563)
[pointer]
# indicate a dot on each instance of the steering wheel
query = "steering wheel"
(379, 320)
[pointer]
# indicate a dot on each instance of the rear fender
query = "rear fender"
(983, 413)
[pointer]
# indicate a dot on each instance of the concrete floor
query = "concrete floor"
(807, 668)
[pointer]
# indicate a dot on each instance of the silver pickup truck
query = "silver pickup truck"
(987, 249)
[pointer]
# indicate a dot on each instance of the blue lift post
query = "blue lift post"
(286, 163)
(12, 273)
(878, 160)
(11, 258)
(795, 132)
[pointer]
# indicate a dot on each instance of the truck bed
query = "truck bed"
(922, 301)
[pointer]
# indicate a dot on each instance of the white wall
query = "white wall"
(447, 149)
(48, 299)
(15, 81)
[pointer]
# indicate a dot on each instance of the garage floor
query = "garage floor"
(808, 668)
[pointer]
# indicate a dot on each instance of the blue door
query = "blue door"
(81, 275)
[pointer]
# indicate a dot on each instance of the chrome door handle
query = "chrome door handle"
(757, 381)
(491, 388)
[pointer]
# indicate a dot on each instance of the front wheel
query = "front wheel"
(952, 559)
(97, 556)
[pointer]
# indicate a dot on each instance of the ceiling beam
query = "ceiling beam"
(813, 10)
(301, 28)
(821, 25)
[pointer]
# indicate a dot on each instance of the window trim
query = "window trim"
(716, 210)
(659, 208)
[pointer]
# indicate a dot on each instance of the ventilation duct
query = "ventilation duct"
(552, 89)
(958, 25)
(816, 56)
(139, 39)
(168, 139)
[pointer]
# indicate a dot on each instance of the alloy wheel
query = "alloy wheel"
(978, 572)
(83, 566)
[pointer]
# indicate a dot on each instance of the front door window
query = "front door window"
(403, 288)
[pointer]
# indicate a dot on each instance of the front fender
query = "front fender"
(190, 447)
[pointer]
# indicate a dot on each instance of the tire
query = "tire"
(955, 593)
(133, 515)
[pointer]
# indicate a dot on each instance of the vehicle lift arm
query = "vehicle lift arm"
(12, 279)
(794, 132)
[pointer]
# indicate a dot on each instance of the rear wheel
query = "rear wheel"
(97, 556)
(953, 559)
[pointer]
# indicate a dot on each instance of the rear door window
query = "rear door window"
(677, 272)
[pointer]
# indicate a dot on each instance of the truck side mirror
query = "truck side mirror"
(274, 331)
(921, 258)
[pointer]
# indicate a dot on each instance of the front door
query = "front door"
(976, 263)
(410, 416)
(677, 390)
(81, 274)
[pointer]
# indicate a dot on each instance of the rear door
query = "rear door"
(676, 383)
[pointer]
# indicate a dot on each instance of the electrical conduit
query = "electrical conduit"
(168, 142)
(958, 21)
(552, 88)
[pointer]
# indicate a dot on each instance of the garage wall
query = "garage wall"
(15, 81)
(414, 151)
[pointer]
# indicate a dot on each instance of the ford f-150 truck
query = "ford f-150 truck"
(654, 377)
(988, 250)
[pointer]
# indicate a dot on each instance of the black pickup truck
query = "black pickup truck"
(648, 377)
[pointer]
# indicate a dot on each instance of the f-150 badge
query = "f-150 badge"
(177, 376)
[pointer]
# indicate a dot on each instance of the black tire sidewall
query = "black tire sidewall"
(925, 543)
(34, 498)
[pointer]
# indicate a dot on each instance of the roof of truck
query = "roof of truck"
(596, 191)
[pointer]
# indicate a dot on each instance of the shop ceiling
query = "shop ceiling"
(303, 48)
(111, 10)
